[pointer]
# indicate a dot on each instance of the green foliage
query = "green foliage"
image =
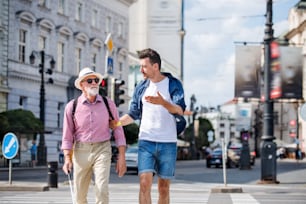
(4, 124)
(20, 121)
(131, 133)
(202, 140)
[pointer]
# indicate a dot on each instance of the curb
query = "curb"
(226, 189)
(23, 187)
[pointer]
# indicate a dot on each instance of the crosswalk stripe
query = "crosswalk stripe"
(243, 198)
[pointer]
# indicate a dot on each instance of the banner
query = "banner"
(286, 72)
(243, 117)
(247, 71)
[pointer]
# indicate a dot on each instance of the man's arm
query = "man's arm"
(172, 108)
(123, 121)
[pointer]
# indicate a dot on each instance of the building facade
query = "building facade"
(3, 54)
(73, 34)
(157, 25)
(296, 36)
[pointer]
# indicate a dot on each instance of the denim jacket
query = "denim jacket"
(175, 89)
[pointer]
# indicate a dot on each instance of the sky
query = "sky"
(213, 29)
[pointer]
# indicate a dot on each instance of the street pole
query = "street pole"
(182, 34)
(42, 149)
(268, 147)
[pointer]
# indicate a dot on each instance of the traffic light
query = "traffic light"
(103, 87)
(118, 91)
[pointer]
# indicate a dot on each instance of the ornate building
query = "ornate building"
(70, 32)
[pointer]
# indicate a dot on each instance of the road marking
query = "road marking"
(243, 198)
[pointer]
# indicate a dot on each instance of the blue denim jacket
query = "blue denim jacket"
(175, 89)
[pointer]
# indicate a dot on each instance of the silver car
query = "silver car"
(131, 157)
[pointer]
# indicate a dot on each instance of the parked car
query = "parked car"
(215, 158)
(237, 150)
(131, 158)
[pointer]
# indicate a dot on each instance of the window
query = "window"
(108, 24)
(120, 66)
(60, 56)
(22, 45)
(61, 6)
(78, 15)
(23, 102)
(94, 18)
(222, 134)
(42, 3)
(60, 114)
(120, 29)
(78, 52)
(41, 43)
(94, 61)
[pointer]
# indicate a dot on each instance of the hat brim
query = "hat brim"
(77, 82)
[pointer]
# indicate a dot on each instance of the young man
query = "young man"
(86, 139)
(155, 100)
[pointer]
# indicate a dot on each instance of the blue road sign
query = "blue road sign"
(110, 65)
(10, 145)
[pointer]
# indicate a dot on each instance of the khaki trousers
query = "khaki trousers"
(89, 159)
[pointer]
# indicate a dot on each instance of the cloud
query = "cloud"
(213, 28)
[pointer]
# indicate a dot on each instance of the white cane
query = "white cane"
(71, 190)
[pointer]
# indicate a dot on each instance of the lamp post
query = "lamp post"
(182, 35)
(193, 145)
(42, 149)
(268, 147)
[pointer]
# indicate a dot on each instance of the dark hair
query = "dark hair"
(151, 54)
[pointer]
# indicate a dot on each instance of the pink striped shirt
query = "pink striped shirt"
(91, 123)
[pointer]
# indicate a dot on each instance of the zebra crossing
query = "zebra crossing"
(181, 193)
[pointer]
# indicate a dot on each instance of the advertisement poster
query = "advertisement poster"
(247, 71)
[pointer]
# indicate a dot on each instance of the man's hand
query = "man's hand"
(121, 165)
(113, 124)
(159, 100)
(67, 167)
(155, 99)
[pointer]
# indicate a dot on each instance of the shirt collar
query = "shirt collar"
(83, 99)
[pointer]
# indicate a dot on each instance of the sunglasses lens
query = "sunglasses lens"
(91, 80)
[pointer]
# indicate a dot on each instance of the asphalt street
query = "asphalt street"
(193, 184)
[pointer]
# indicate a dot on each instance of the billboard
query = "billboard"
(247, 71)
(286, 72)
(243, 117)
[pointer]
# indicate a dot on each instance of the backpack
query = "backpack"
(75, 102)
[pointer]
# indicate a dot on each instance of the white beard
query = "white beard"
(93, 91)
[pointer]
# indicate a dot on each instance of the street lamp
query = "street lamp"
(42, 149)
(268, 147)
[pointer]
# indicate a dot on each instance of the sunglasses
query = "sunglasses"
(89, 81)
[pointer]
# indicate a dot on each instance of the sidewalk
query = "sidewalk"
(288, 179)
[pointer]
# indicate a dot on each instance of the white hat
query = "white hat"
(83, 74)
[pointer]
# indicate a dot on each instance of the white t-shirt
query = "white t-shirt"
(157, 124)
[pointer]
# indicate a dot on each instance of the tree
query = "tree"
(202, 140)
(20, 121)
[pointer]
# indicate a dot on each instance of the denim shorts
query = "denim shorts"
(157, 157)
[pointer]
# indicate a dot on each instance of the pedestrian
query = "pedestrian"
(33, 151)
(154, 102)
(86, 139)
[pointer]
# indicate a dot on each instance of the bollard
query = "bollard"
(245, 157)
(52, 174)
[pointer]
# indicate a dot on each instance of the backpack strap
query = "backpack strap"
(108, 109)
(75, 103)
